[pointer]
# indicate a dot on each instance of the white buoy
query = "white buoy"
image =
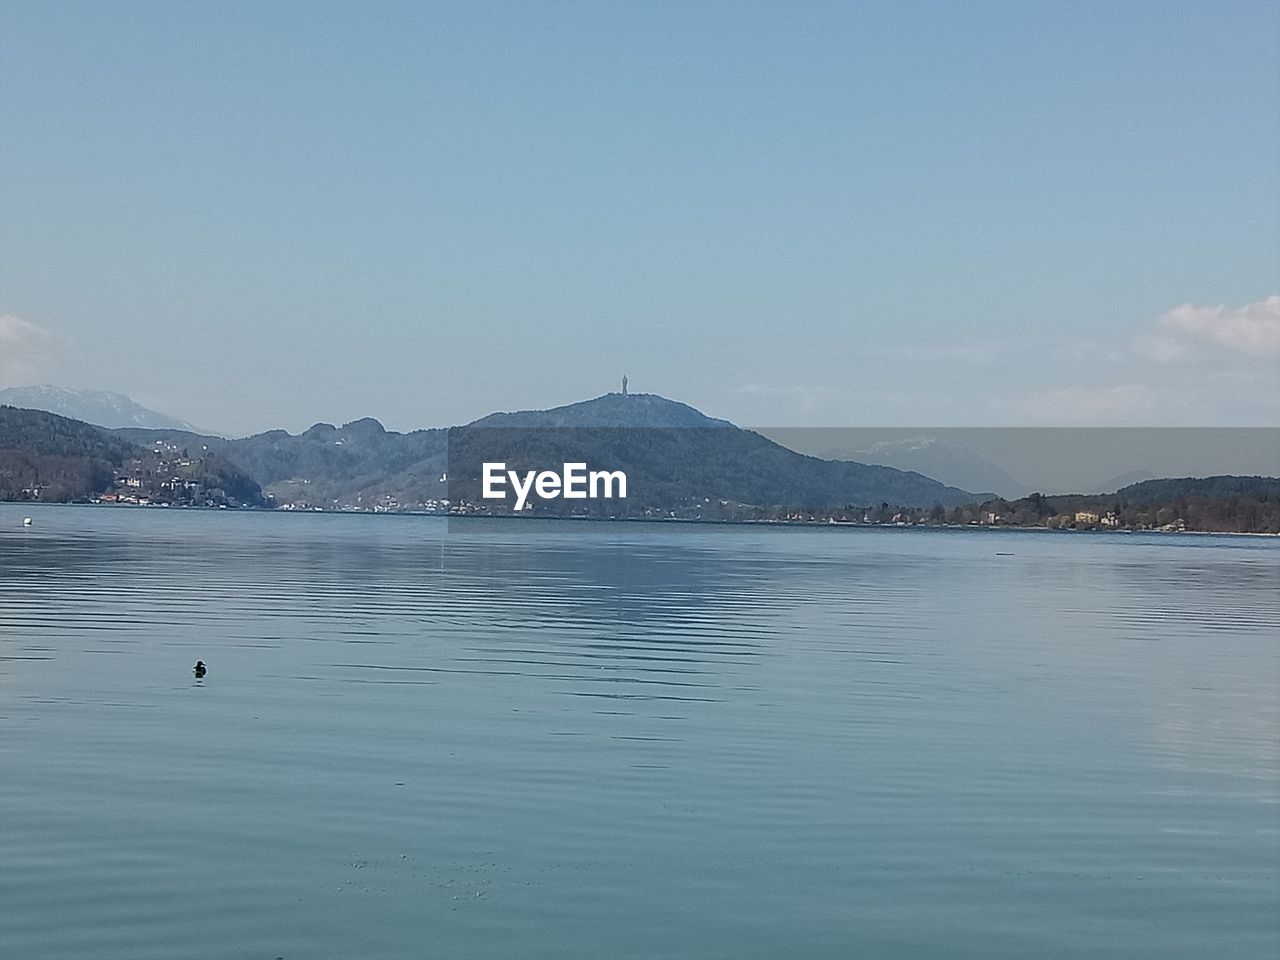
(26, 521)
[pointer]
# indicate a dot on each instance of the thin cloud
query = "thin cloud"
(26, 349)
(1185, 332)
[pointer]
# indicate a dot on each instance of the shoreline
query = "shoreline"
(683, 521)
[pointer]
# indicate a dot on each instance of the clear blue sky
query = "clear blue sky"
(267, 214)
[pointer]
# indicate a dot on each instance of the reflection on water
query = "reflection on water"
(701, 742)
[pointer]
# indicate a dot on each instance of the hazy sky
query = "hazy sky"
(267, 214)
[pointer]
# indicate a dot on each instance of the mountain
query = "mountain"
(949, 462)
(51, 458)
(631, 410)
(1209, 488)
(672, 454)
(678, 462)
(45, 456)
(360, 464)
(676, 459)
(102, 409)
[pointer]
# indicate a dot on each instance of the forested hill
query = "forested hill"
(1212, 488)
(43, 455)
(612, 410)
(677, 460)
(51, 458)
(42, 434)
(359, 464)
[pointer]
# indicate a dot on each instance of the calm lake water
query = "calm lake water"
(712, 742)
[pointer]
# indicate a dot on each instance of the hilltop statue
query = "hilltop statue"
(624, 384)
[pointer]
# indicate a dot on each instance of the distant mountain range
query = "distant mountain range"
(678, 461)
(673, 453)
(102, 409)
(1008, 462)
(1017, 461)
(938, 458)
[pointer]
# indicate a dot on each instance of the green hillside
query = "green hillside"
(50, 458)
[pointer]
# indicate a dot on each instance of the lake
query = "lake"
(617, 740)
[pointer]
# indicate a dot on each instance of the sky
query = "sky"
(793, 214)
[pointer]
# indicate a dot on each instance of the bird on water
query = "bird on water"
(199, 669)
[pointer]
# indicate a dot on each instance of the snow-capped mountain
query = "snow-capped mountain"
(98, 407)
